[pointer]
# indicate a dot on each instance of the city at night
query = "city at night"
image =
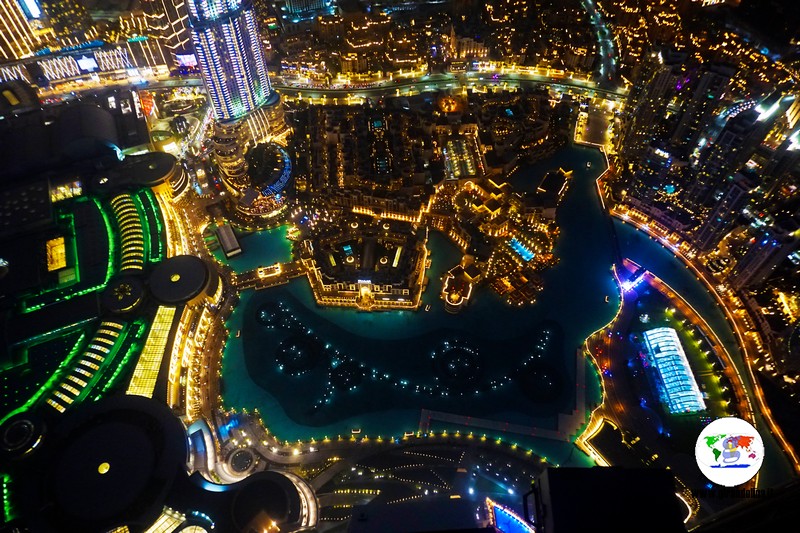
(399, 266)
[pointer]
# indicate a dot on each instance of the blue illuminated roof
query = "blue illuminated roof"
(680, 391)
(507, 521)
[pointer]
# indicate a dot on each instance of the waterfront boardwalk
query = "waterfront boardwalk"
(271, 276)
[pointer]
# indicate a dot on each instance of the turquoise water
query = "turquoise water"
(400, 344)
(260, 248)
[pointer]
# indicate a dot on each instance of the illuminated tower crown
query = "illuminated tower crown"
(228, 49)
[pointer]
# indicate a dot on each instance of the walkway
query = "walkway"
(271, 276)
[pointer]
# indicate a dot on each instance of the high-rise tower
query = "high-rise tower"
(704, 102)
(169, 20)
(647, 102)
(783, 161)
(732, 148)
(296, 7)
(17, 34)
(765, 252)
(229, 53)
(70, 21)
(724, 214)
(247, 110)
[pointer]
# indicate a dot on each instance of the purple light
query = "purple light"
(631, 283)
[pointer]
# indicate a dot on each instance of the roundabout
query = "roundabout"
(241, 461)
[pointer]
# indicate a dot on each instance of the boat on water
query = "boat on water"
(428, 307)
(606, 299)
(355, 431)
(588, 164)
(238, 333)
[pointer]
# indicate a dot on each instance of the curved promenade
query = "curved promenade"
(745, 388)
(746, 344)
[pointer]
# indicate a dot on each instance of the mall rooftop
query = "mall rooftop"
(681, 393)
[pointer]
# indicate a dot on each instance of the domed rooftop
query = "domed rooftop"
(123, 294)
(178, 279)
(118, 462)
(263, 498)
(85, 130)
(20, 435)
(108, 464)
(144, 170)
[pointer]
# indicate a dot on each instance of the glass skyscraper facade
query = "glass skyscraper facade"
(229, 53)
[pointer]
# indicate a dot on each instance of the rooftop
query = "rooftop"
(681, 392)
(24, 207)
(178, 279)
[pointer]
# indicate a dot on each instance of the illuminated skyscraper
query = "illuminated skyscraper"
(229, 53)
(779, 167)
(169, 19)
(765, 252)
(704, 102)
(305, 6)
(651, 173)
(654, 85)
(724, 214)
(70, 21)
(733, 147)
(17, 37)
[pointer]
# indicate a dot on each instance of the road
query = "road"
(605, 42)
(503, 78)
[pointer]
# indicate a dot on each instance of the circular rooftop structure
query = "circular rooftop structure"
(269, 167)
(123, 294)
(144, 170)
(110, 463)
(113, 461)
(20, 435)
(150, 169)
(265, 497)
(179, 279)
(85, 131)
(118, 461)
(241, 461)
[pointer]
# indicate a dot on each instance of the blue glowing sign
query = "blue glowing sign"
(506, 521)
(87, 63)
